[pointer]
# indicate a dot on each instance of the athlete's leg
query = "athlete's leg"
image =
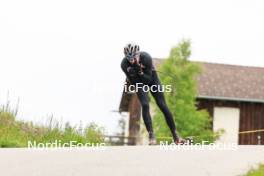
(160, 100)
(143, 98)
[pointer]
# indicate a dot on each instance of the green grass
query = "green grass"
(259, 171)
(17, 133)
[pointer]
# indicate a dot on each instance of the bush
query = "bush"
(14, 133)
(259, 171)
(180, 73)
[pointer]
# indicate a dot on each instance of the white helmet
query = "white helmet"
(131, 50)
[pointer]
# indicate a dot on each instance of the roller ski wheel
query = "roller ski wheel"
(152, 141)
(179, 141)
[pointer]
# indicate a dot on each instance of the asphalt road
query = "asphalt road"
(129, 161)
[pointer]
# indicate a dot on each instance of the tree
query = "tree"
(180, 73)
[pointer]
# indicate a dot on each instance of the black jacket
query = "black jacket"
(135, 76)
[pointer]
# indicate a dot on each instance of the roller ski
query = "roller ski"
(181, 141)
(152, 139)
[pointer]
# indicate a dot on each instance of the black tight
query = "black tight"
(160, 100)
(143, 98)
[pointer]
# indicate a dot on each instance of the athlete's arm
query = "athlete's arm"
(131, 71)
(146, 74)
(124, 67)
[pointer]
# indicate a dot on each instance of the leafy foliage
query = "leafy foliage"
(14, 133)
(259, 171)
(180, 73)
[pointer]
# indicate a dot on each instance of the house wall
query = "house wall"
(251, 117)
(227, 118)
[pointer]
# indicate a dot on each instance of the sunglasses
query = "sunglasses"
(132, 57)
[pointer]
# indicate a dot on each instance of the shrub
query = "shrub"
(259, 171)
(180, 73)
(15, 133)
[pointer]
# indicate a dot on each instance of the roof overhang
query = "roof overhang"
(230, 99)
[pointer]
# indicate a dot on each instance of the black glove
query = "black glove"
(132, 71)
(138, 70)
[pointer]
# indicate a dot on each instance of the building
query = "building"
(233, 95)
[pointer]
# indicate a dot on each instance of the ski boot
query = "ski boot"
(152, 140)
(179, 141)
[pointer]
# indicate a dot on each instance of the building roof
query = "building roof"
(223, 82)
